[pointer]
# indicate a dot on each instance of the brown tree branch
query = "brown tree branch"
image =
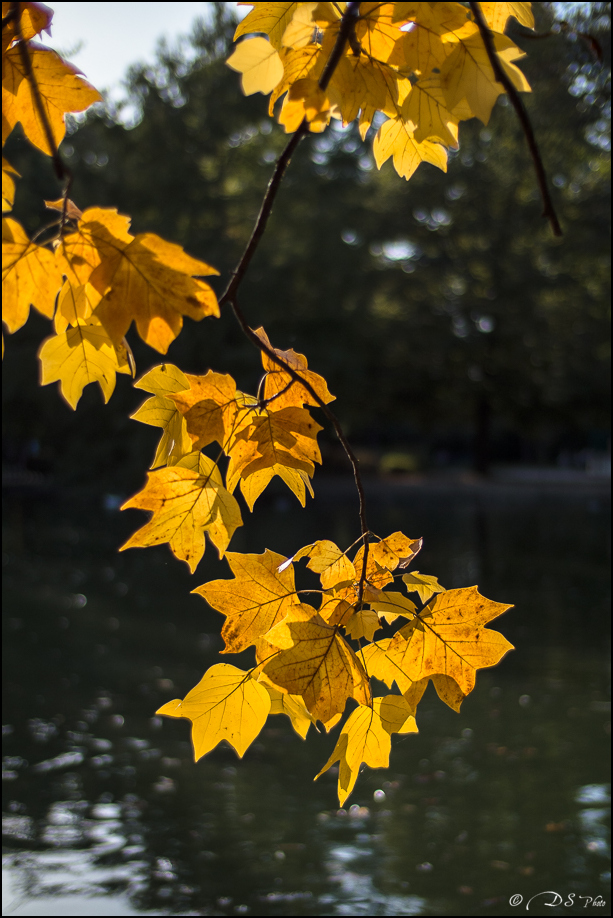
(63, 173)
(346, 28)
(522, 114)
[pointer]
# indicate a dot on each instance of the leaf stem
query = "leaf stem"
(522, 114)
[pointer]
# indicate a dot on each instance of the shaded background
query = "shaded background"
(458, 335)
(453, 328)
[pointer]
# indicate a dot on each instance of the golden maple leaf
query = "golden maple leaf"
(467, 72)
(33, 19)
(271, 19)
(449, 638)
(210, 408)
(291, 705)
(60, 89)
(327, 560)
(280, 386)
(227, 704)
(139, 278)
(316, 663)
(396, 138)
(186, 502)
(259, 64)
(257, 598)
(8, 185)
(497, 14)
(422, 584)
(160, 411)
(366, 737)
(81, 355)
(30, 276)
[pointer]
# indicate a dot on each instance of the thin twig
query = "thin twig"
(522, 114)
(346, 28)
(63, 173)
(270, 352)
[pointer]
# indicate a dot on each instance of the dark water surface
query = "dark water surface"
(105, 812)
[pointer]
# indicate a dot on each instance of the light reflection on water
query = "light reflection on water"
(105, 812)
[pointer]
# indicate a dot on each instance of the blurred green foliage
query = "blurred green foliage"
(445, 316)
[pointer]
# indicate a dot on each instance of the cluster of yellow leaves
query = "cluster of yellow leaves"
(306, 666)
(97, 279)
(422, 67)
(274, 435)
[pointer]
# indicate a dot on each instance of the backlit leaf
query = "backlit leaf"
(270, 18)
(279, 384)
(467, 72)
(185, 505)
(257, 598)
(290, 705)
(422, 584)
(82, 355)
(366, 737)
(259, 63)
(227, 704)
(450, 638)
(60, 88)
(395, 138)
(316, 663)
(30, 276)
(140, 278)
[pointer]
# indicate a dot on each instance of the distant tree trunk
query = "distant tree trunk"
(481, 443)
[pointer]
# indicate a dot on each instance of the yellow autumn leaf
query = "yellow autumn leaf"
(291, 705)
(390, 605)
(366, 737)
(267, 438)
(186, 503)
(257, 598)
(363, 624)
(33, 19)
(422, 584)
(160, 411)
(378, 30)
(164, 380)
(384, 664)
(305, 100)
(210, 408)
(259, 63)
(297, 481)
(395, 550)
(227, 704)
(300, 64)
(30, 276)
(423, 47)
(272, 19)
(497, 14)
(279, 384)
(467, 72)
(395, 138)
(449, 638)
(302, 27)
(175, 442)
(425, 111)
(316, 663)
(82, 355)
(359, 82)
(8, 185)
(140, 278)
(60, 89)
(74, 303)
(327, 560)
